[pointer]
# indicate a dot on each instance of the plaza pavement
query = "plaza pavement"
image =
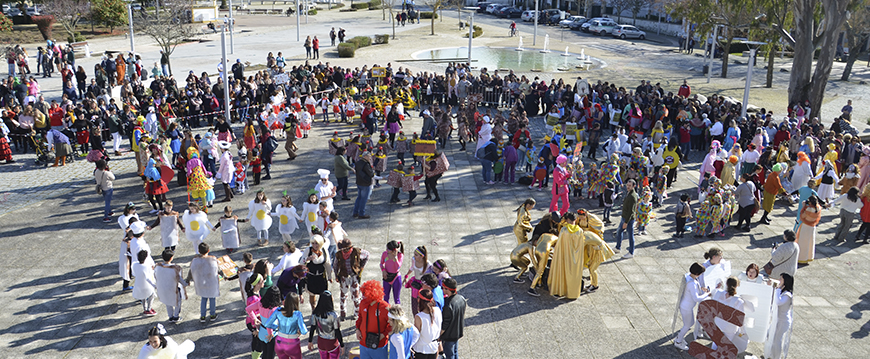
(60, 286)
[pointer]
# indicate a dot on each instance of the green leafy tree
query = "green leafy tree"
(110, 13)
(5, 23)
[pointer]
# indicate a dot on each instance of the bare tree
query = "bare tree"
(173, 27)
(620, 6)
(635, 6)
(436, 5)
(68, 13)
(857, 33)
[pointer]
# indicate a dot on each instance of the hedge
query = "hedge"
(374, 4)
(336, 6)
(428, 15)
(312, 12)
(360, 6)
(382, 39)
(346, 49)
(360, 41)
(477, 32)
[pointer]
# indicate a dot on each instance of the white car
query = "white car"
(601, 27)
(33, 11)
(626, 31)
(528, 15)
(568, 20)
(585, 26)
(492, 7)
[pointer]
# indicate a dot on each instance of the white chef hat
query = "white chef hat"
(486, 119)
(426, 112)
(323, 173)
(224, 145)
(137, 227)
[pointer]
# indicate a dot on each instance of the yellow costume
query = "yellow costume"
(597, 251)
(590, 222)
(522, 256)
(832, 156)
(567, 267)
(545, 245)
(522, 226)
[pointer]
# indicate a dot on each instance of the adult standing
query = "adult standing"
(489, 156)
(745, 194)
(341, 168)
(364, 178)
(307, 47)
(629, 213)
(105, 178)
(560, 186)
(372, 326)
(784, 256)
(324, 189)
(315, 45)
(428, 322)
(851, 205)
(783, 297)
(238, 70)
(225, 172)
(332, 37)
(484, 134)
(348, 267)
(453, 322)
(567, 267)
(811, 214)
(772, 187)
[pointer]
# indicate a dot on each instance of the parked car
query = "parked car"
(481, 6)
(569, 19)
(492, 7)
(510, 12)
(585, 26)
(626, 31)
(601, 27)
(575, 25)
(33, 11)
(528, 15)
(551, 16)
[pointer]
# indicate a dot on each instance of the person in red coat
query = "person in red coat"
(685, 91)
(373, 320)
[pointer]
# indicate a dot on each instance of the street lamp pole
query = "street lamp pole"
(470, 36)
(298, 9)
(535, 34)
(712, 52)
(224, 76)
(753, 46)
(231, 21)
(130, 22)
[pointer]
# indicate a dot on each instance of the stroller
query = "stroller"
(44, 156)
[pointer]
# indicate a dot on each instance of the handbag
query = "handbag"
(99, 184)
(374, 339)
(768, 268)
(391, 277)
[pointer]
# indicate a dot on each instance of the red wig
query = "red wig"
(372, 290)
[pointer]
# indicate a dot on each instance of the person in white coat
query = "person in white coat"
(288, 219)
(204, 275)
(170, 285)
(144, 288)
(324, 189)
(259, 213)
(138, 243)
(125, 257)
(484, 135)
(611, 145)
(802, 172)
(783, 298)
(691, 293)
(197, 225)
(159, 346)
(226, 171)
(292, 257)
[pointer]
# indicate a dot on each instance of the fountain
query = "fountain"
(546, 43)
(520, 46)
(582, 56)
(509, 57)
(566, 52)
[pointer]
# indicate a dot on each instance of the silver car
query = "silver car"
(626, 31)
(601, 27)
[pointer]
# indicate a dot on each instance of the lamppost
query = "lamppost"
(753, 46)
(712, 52)
(537, 15)
(224, 76)
(471, 10)
(130, 22)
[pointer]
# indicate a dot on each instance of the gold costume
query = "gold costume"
(590, 222)
(521, 255)
(545, 245)
(522, 226)
(597, 251)
(566, 270)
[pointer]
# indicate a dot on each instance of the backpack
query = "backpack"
(480, 152)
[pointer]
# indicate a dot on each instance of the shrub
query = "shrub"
(360, 6)
(360, 41)
(336, 6)
(312, 12)
(477, 32)
(43, 23)
(428, 15)
(382, 39)
(5, 23)
(76, 38)
(346, 49)
(374, 4)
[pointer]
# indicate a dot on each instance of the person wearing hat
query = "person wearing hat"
(772, 187)
(560, 186)
(348, 267)
(125, 256)
(324, 189)
(225, 171)
(142, 269)
(484, 134)
(238, 70)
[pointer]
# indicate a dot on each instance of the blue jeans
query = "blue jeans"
(451, 350)
(379, 353)
(165, 70)
(107, 195)
(487, 169)
(362, 197)
(628, 228)
(202, 304)
(11, 69)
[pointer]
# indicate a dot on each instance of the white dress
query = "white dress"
(259, 215)
(229, 232)
(287, 219)
(801, 175)
(197, 227)
(172, 350)
(826, 190)
(309, 215)
(169, 230)
(145, 282)
(323, 190)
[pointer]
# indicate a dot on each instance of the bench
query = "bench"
(81, 47)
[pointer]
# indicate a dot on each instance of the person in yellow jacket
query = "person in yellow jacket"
(523, 224)
(566, 270)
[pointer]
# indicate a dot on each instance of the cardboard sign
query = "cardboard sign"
(424, 148)
(757, 320)
(281, 79)
(227, 267)
(379, 72)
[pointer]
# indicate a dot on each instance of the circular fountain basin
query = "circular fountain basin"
(494, 58)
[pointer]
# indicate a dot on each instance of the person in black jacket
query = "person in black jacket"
(490, 155)
(364, 178)
(453, 318)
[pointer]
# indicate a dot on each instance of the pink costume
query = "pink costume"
(864, 168)
(707, 165)
(560, 186)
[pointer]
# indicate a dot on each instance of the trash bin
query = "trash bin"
(706, 68)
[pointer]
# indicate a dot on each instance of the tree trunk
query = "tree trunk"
(770, 54)
(726, 50)
(849, 62)
(835, 11)
(802, 66)
(433, 23)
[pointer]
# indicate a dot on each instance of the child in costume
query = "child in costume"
(683, 214)
(352, 149)
(410, 184)
(394, 179)
(660, 182)
(401, 146)
(241, 174)
(230, 232)
(155, 188)
(380, 164)
(309, 211)
(287, 217)
(708, 215)
(610, 195)
(5, 150)
(197, 225)
(256, 166)
(259, 210)
(335, 142)
(391, 263)
(644, 207)
(541, 167)
(384, 143)
(169, 223)
(198, 185)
